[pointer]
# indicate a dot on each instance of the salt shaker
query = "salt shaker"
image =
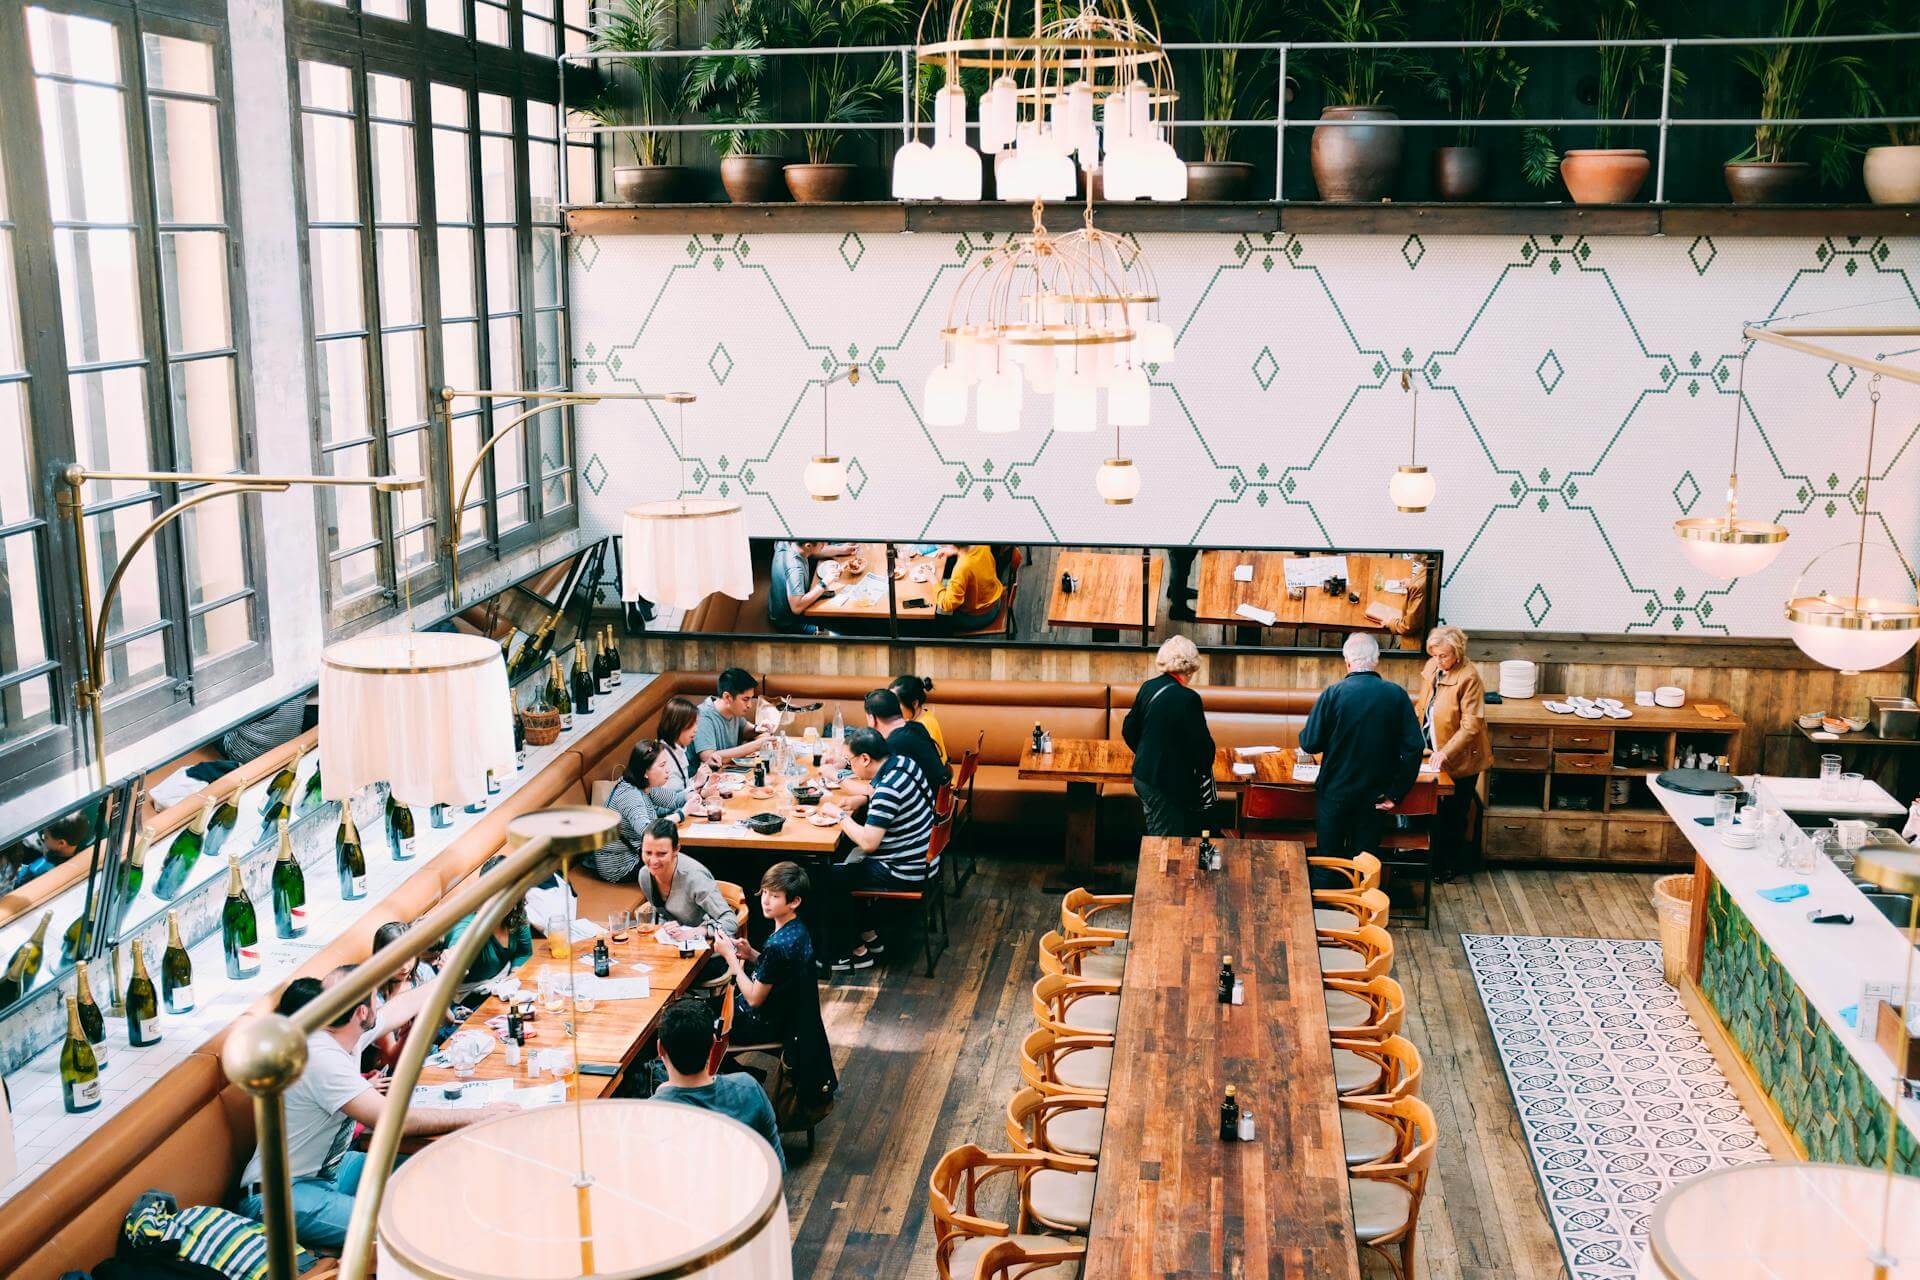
(1246, 1124)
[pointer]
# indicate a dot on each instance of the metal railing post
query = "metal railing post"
(1666, 99)
(906, 98)
(1280, 129)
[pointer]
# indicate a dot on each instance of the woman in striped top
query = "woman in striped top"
(632, 799)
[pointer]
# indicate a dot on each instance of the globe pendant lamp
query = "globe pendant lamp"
(678, 551)
(826, 476)
(1727, 547)
(1412, 486)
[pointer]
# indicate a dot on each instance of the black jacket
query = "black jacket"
(914, 742)
(1369, 740)
(1167, 729)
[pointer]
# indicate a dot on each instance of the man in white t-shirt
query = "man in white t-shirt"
(321, 1108)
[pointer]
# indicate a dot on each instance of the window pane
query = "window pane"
(547, 368)
(395, 9)
(452, 197)
(177, 65)
(447, 15)
(449, 104)
(496, 113)
(542, 117)
(503, 339)
(333, 188)
(137, 604)
(583, 169)
(459, 353)
(536, 35)
(389, 97)
(23, 640)
(543, 180)
(399, 277)
(186, 160)
(546, 268)
(99, 295)
(326, 85)
(553, 442)
(513, 511)
(404, 373)
(16, 455)
(110, 426)
(204, 415)
(214, 535)
(67, 45)
(193, 277)
(83, 128)
(335, 280)
(341, 376)
(556, 494)
(393, 179)
(496, 178)
(406, 456)
(10, 357)
(489, 23)
(348, 512)
(219, 632)
(503, 270)
(456, 273)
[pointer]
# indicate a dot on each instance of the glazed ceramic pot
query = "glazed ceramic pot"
(753, 179)
(821, 183)
(1892, 174)
(1607, 176)
(650, 183)
(1459, 173)
(1219, 180)
(1356, 163)
(1765, 181)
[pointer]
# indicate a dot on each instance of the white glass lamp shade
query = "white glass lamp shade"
(1129, 397)
(1076, 401)
(943, 403)
(1153, 342)
(1038, 168)
(1079, 134)
(1126, 171)
(1849, 627)
(985, 354)
(1041, 364)
(950, 115)
(498, 1199)
(1118, 482)
(1729, 548)
(825, 478)
(678, 551)
(423, 711)
(999, 399)
(1791, 1218)
(956, 172)
(999, 109)
(913, 172)
(1167, 179)
(1411, 488)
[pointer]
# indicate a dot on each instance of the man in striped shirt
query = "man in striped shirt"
(889, 839)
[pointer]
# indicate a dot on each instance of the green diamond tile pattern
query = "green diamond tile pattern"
(1826, 1100)
(1565, 382)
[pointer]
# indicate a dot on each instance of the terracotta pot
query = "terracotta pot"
(1219, 180)
(1766, 181)
(1612, 176)
(821, 183)
(1357, 163)
(1080, 180)
(1459, 173)
(753, 179)
(1892, 174)
(650, 183)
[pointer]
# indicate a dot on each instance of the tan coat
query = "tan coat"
(1459, 715)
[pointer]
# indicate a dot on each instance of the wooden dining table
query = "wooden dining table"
(871, 604)
(1106, 596)
(797, 836)
(1219, 595)
(1170, 1198)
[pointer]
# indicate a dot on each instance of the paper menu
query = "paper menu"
(474, 1094)
(1313, 571)
(1243, 573)
(1305, 770)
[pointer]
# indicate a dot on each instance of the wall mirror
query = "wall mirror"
(59, 868)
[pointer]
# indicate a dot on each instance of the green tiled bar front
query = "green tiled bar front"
(1827, 1101)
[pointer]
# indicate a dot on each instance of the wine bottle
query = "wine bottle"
(349, 859)
(184, 852)
(582, 681)
(226, 814)
(557, 694)
(519, 732)
(613, 657)
(92, 1021)
(25, 965)
(136, 870)
(279, 801)
(602, 677)
(74, 940)
(289, 891)
(143, 1003)
(79, 1069)
(399, 828)
(309, 794)
(176, 970)
(239, 926)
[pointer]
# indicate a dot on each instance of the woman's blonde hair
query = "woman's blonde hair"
(1449, 635)
(1178, 657)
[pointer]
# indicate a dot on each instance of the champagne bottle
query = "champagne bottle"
(279, 801)
(582, 681)
(24, 967)
(289, 891)
(176, 970)
(79, 1069)
(143, 1003)
(136, 870)
(602, 677)
(557, 694)
(239, 926)
(613, 657)
(226, 814)
(184, 852)
(519, 732)
(309, 794)
(399, 828)
(349, 859)
(74, 940)
(92, 1021)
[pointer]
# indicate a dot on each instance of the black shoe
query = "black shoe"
(859, 960)
(874, 946)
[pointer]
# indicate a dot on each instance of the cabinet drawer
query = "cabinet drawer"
(1582, 762)
(1679, 848)
(1582, 740)
(1575, 837)
(1531, 759)
(1516, 736)
(1641, 839)
(1507, 837)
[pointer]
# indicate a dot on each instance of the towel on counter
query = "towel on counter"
(1785, 893)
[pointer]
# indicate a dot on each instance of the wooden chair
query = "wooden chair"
(1094, 958)
(960, 1233)
(1370, 1010)
(1079, 907)
(1062, 1124)
(1071, 1006)
(1347, 914)
(737, 899)
(963, 860)
(1012, 1260)
(1362, 872)
(1062, 1064)
(723, 1045)
(1408, 852)
(1367, 952)
(1387, 1193)
(1286, 812)
(1378, 1069)
(932, 893)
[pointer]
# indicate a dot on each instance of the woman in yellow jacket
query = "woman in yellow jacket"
(1452, 710)
(973, 595)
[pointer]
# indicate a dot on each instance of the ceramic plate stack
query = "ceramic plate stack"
(1517, 677)
(1670, 695)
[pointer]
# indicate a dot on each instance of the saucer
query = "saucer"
(1559, 708)
(822, 820)
(1617, 713)
(1590, 713)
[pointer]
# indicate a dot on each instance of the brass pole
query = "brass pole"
(1781, 338)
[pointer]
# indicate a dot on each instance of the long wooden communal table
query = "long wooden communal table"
(1170, 1198)
(1218, 595)
(1108, 597)
(873, 557)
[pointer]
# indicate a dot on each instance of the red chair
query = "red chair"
(932, 895)
(1409, 850)
(1286, 812)
(963, 814)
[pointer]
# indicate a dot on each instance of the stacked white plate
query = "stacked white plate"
(1669, 695)
(1517, 678)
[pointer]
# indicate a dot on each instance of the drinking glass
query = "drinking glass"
(559, 940)
(583, 1001)
(1797, 853)
(1850, 785)
(553, 994)
(643, 918)
(1829, 777)
(618, 924)
(1725, 805)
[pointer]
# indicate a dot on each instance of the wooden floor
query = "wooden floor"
(928, 1064)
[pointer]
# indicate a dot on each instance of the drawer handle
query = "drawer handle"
(1636, 831)
(1513, 826)
(1573, 831)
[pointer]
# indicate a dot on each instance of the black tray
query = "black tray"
(1698, 782)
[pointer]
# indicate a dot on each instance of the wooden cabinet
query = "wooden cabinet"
(1575, 838)
(1583, 740)
(1523, 759)
(1517, 735)
(1640, 839)
(1507, 836)
(1591, 762)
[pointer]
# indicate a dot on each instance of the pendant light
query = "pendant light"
(826, 475)
(1864, 629)
(1728, 547)
(1412, 486)
(1118, 480)
(680, 550)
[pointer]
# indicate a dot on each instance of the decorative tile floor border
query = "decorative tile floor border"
(1618, 1096)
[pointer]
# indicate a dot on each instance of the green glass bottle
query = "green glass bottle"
(279, 800)
(92, 1021)
(519, 732)
(239, 926)
(74, 940)
(143, 1003)
(349, 859)
(226, 815)
(557, 696)
(184, 853)
(613, 658)
(24, 966)
(399, 828)
(135, 873)
(79, 1069)
(289, 891)
(176, 970)
(309, 794)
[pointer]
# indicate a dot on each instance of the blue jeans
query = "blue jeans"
(322, 1207)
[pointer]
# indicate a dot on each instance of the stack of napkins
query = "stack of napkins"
(1265, 617)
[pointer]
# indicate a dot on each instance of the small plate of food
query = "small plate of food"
(804, 810)
(821, 818)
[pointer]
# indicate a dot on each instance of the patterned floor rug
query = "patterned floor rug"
(1618, 1095)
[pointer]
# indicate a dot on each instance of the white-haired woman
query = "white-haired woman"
(1172, 749)
(1452, 706)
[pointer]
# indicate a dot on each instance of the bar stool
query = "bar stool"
(1079, 907)
(1081, 957)
(1380, 1070)
(1346, 913)
(1367, 952)
(1074, 1006)
(1065, 1124)
(961, 1235)
(1386, 1193)
(1362, 871)
(1013, 1260)
(1370, 1010)
(1055, 1063)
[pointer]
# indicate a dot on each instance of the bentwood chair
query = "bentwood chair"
(1058, 1197)
(932, 893)
(1362, 872)
(1063, 1124)
(1011, 1260)
(1379, 1070)
(736, 898)
(1061, 1064)
(1348, 913)
(1370, 1010)
(1073, 1006)
(1386, 1193)
(1080, 907)
(1093, 958)
(1367, 952)
(961, 1234)
(961, 854)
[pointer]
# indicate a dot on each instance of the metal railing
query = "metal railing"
(911, 121)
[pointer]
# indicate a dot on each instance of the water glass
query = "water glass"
(559, 939)
(1830, 777)
(643, 918)
(1850, 785)
(1725, 806)
(1796, 852)
(553, 994)
(618, 924)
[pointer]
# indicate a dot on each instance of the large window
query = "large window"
(122, 353)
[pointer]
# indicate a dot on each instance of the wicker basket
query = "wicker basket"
(1673, 903)
(543, 726)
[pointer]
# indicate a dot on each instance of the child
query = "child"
(779, 997)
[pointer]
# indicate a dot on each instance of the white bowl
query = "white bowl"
(1812, 719)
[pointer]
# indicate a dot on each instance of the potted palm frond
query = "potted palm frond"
(838, 88)
(1788, 76)
(1234, 85)
(1358, 162)
(1607, 174)
(1883, 83)
(1484, 81)
(645, 92)
(731, 87)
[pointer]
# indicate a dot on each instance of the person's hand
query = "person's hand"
(727, 947)
(1437, 761)
(833, 811)
(493, 1109)
(744, 949)
(1384, 804)
(382, 1084)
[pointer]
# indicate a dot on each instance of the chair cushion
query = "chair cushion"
(1085, 1069)
(1379, 1208)
(1335, 918)
(1062, 1197)
(1341, 960)
(1078, 1131)
(1103, 966)
(966, 1256)
(1345, 1009)
(1367, 1137)
(1355, 1073)
(1094, 1013)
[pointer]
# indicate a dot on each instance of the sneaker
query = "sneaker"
(861, 959)
(872, 943)
(844, 964)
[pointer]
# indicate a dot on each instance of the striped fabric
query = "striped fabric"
(902, 806)
(257, 737)
(205, 1235)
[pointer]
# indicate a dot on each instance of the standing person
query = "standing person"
(1172, 748)
(889, 839)
(973, 595)
(686, 1048)
(1368, 740)
(690, 785)
(906, 737)
(1452, 708)
(779, 997)
(913, 692)
(724, 729)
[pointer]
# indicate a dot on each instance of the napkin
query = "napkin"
(1785, 893)
(1243, 573)
(1254, 751)
(1265, 617)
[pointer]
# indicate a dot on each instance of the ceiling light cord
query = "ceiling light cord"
(1866, 486)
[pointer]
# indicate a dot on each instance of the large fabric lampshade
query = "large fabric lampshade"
(679, 551)
(424, 711)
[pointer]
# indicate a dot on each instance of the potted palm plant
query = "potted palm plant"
(1234, 85)
(730, 86)
(1358, 162)
(1607, 174)
(839, 88)
(645, 92)
(1882, 83)
(1484, 81)
(1788, 75)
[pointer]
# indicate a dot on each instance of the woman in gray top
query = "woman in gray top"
(632, 799)
(680, 889)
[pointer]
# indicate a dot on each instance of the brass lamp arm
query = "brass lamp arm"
(1794, 339)
(77, 475)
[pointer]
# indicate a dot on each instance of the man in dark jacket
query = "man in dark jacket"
(1172, 749)
(906, 737)
(1369, 744)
